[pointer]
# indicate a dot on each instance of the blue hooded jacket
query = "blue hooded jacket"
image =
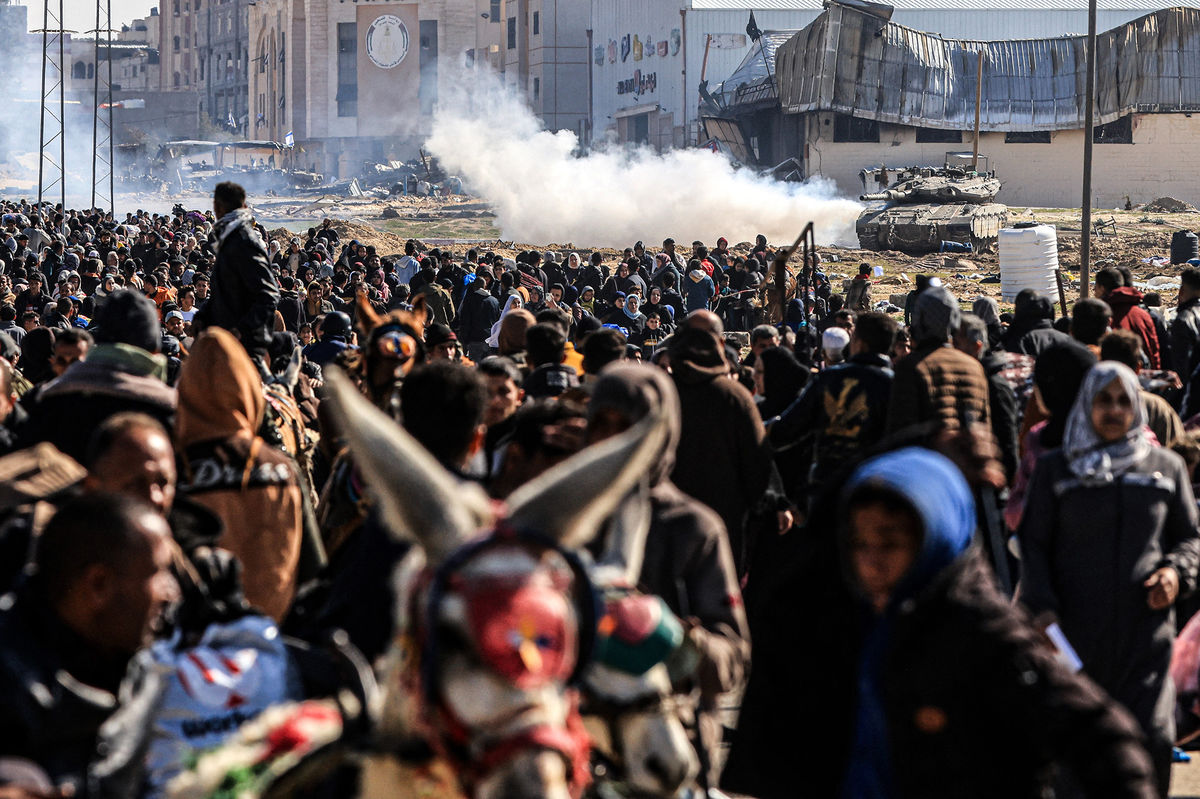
(939, 495)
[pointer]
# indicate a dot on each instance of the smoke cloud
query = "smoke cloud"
(542, 190)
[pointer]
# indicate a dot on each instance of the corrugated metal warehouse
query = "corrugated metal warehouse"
(648, 57)
(854, 90)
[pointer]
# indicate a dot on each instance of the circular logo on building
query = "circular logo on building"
(387, 41)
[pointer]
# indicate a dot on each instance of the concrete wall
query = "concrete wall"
(558, 58)
(612, 20)
(1163, 160)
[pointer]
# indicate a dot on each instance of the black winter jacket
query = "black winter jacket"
(55, 692)
(243, 294)
(965, 674)
(480, 310)
(845, 407)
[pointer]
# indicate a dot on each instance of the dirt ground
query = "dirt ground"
(1129, 238)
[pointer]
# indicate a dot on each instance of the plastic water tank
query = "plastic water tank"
(1028, 258)
(1185, 246)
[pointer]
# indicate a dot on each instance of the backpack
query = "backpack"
(858, 298)
(180, 698)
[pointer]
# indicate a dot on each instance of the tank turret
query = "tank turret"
(915, 210)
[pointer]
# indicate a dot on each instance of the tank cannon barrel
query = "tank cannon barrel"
(889, 194)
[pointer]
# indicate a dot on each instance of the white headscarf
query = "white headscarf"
(494, 339)
(1090, 459)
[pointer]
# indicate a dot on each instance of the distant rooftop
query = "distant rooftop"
(951, 5)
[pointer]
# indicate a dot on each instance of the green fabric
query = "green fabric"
(129, 358)
(638, 657)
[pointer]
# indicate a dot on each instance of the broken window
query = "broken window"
(1119, 131)
(1027, 137)
(852, 129)
(512, 33)
(347, 66)
(936, 136)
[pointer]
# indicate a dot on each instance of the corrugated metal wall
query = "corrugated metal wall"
(655, 20)
(858, 64)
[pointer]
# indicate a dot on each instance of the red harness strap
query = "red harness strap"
(572, 742)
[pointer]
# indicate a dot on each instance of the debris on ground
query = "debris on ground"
(1169, 205)
(1141, 243)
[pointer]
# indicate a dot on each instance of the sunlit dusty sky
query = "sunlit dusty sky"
(80, 15)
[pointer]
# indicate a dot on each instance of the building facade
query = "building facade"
(179, 51)
(545, 47)
(855, 90)
(140, 72)
(655, 98)
(204, 46)
(223, 63)
(356, 83)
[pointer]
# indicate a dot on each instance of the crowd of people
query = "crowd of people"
(948, 557)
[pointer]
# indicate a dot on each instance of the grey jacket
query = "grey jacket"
(1086, 552)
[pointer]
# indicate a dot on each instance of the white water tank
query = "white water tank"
(1028, 258)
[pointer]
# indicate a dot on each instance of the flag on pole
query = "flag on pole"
(289, 140)
(752, 29)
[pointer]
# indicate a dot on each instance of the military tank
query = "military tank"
(916, 209)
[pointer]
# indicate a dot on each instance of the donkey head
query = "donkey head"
(496, 613)
(628, 701)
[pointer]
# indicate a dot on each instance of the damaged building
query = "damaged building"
(854, 90)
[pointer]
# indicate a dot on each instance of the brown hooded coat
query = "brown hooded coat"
(720, 459)
(250, 485)
(687, 559)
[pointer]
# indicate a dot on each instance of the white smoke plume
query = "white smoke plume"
(543, 191)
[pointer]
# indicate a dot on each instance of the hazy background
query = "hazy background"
(80, 15)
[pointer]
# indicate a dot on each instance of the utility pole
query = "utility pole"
(102, 111)
(53, 136)
(978, 103)
(1089, 113)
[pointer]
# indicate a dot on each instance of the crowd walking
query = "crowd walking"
(274, 509)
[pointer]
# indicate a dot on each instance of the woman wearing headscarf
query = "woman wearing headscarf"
(572, 269)
(1108, 543)
(510, 342)
(620, 283)
(778, 379)
(380, 285)
(989, 311)
(513, 303)
(634, 320)
(653, 302)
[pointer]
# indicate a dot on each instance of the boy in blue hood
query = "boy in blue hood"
(909, 548)
(932, 685)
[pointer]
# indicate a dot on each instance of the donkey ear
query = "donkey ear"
(625, 545)
(368, 320)
(419, 499)
(291, 375)
(419, 313)
(570, 501)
